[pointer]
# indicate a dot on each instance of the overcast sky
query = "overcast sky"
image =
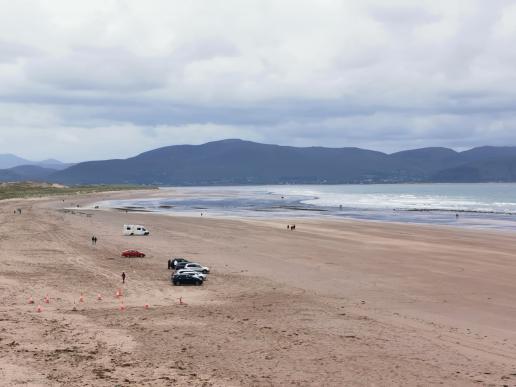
(107, 79)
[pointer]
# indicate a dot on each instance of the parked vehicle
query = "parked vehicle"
(196, 267)
(132, 254)
(176, 260)
(186, 279)
(191, 272)
(135, 229)
(180, 265)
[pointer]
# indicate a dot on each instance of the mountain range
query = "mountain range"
(243, 162)
(15, 168)
(8, 160)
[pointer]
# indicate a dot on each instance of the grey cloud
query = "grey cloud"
(205, 49)
(403, 17)
(113, 69)
(10, 52)
(337, 74)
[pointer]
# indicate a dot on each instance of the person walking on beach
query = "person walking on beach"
(123, 277)
(93, 240)
(169, 264)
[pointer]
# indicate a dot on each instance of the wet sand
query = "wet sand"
(334, 302)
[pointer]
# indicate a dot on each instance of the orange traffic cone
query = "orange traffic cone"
(118, 293)
(99, 297)
(122, 307)
(146, 306)
(81, 298)
(31, 300)
(46, 300)
(39, 309)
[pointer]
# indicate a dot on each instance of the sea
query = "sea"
(482, 206)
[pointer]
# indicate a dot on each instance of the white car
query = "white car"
(135, 229)
(196, 267)
(195, 273)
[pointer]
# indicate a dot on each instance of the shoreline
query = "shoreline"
(210, 214)
(266, 201)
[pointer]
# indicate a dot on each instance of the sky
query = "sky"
(102, 79)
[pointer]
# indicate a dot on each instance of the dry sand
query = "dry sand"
(334, 303)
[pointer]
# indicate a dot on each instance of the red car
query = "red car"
(132, 253)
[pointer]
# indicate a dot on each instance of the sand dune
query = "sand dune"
(333, 303)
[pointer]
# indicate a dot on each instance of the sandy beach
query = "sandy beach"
(333, 303)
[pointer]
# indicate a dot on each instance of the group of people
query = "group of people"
(94, 242)
(291, 227)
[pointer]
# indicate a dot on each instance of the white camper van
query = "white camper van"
(135, 229)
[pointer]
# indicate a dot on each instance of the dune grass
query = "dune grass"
(31, 190)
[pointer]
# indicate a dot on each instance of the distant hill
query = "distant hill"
(243, 162)
(9, 160)
(491, 168)
(53, 164)
(14, 168)
(26, 173)
(427, 161)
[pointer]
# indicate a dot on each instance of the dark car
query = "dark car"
(180, 265)
(177, 261)
(186, 279)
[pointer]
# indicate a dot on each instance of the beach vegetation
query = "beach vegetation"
(32, 190)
